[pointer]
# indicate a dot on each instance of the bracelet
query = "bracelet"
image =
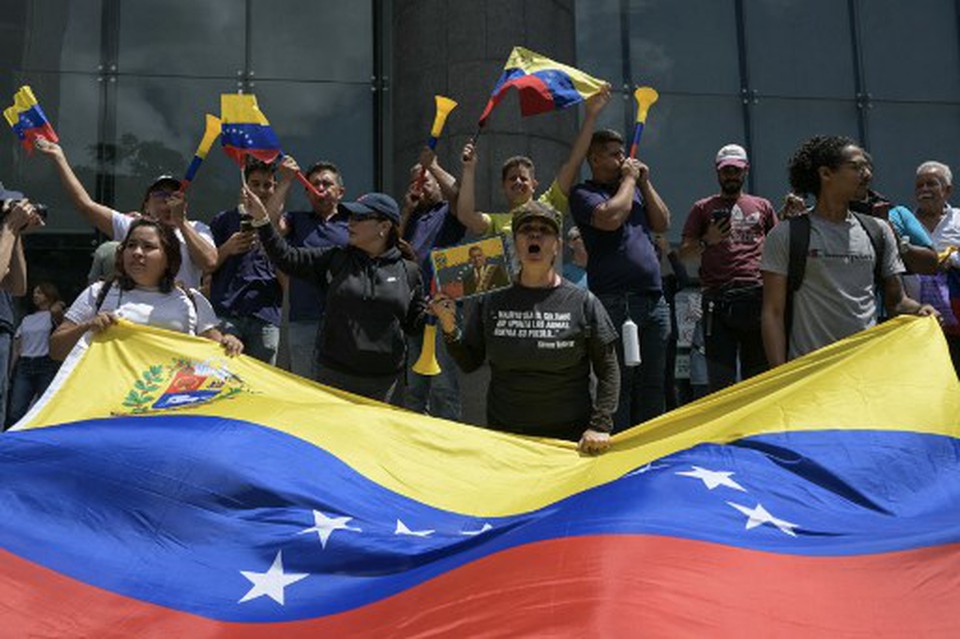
(453, 336)
(263, 221)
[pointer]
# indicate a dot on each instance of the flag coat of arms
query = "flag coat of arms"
(160, 489)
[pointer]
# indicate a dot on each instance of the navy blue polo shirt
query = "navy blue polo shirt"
(430, 229)
(621, 261)
(245, 285)
(309, 229)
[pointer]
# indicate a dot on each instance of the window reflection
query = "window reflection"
(182, 37)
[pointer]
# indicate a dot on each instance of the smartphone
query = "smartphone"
(246, 225)
(41, 210)
(721, 215)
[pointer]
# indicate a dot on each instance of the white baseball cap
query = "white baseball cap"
(732, 155)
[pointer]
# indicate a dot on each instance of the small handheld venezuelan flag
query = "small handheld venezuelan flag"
(246, 130)
(645, 97)
(210, 133)
(543, 85)
(28, 120)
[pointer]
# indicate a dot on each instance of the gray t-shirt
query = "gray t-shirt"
(837, 297)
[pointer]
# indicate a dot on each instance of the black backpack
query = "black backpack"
(800, 245)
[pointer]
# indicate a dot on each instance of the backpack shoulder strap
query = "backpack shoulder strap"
(102, 295)
(799, 245)
(796, 264)
(874, 231)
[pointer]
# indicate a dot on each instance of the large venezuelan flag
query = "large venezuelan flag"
(162, 491)
(542, 84)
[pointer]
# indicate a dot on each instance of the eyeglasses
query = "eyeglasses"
(161, 195)
(861, 166)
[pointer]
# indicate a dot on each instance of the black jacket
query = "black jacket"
(371, 303)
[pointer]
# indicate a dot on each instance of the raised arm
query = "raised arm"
(20, 218)
(568, 173)
(288, 169)
(307, 263)
(95, 213)
(478, 223)
(202, 250)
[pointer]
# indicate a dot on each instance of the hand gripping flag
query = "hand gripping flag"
(543, 85)
(246, 130)
(28, 120)
(212, 129)
(160, 489)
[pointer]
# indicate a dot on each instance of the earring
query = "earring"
(382, 233)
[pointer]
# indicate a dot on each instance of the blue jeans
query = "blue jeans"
(437, 395)
(31, 376)
(260, 338)
(302, 340)
(642, 395)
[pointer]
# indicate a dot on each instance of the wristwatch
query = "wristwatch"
(903, 245)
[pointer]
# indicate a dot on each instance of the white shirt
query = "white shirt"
(34, 334)
(189, 272)
(947, 234)
(173, 311)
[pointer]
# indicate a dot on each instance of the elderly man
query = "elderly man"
(934, 184)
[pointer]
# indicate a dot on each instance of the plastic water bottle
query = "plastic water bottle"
(631, 343)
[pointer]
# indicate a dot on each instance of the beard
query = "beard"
(731, 187)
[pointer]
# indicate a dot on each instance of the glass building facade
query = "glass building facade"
(768, 74)
(126, 85)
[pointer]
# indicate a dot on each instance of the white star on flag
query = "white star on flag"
(758, 516)
(472, 533)
(324, 526)
(713, 478)
(403, 530)
(272, 582)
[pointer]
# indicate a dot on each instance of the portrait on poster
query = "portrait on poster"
(472, 269)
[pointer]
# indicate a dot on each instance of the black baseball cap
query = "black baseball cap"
(373, 204)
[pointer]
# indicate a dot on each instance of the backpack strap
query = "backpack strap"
(873, 230)
(102, 295)
(797, 263)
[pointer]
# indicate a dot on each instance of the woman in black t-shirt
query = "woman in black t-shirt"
(541, 335)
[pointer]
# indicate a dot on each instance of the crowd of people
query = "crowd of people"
(578, 347)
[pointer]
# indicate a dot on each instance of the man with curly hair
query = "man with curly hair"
(846, 258)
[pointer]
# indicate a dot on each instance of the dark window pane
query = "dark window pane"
(182, 37)
(598, 40)
(71, 102)
(159, 124)
(932, 132)
(686, 46)
(780, 126)
(910, 49)
(799, 48)
(312, 40)
(323, 122)
(58, 35)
